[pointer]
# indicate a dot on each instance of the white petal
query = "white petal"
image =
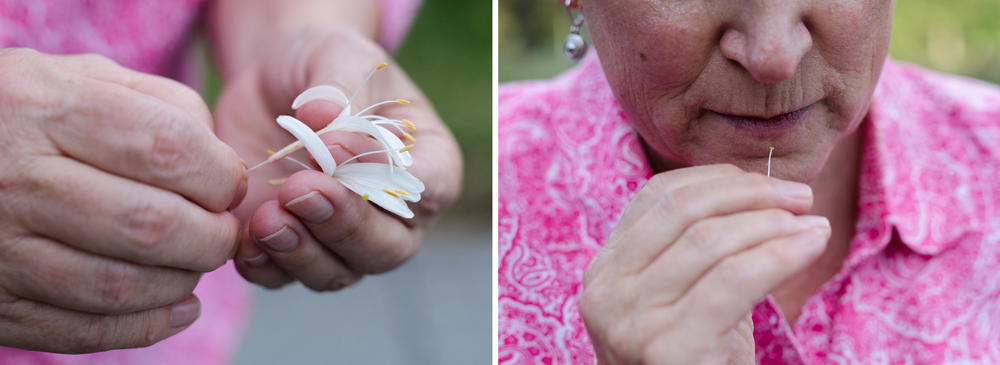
(388, 202)
(366, 178)
(311, 141)
(389, 141)
(322, 92)
(379, 173)
(402, 158)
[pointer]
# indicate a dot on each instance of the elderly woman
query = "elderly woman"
(644, 219)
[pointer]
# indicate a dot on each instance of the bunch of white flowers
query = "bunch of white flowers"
(388, 185)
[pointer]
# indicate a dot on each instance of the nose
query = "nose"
(769, 47)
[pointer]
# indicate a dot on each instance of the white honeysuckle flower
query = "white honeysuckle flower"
(386, 187)
(372, 125)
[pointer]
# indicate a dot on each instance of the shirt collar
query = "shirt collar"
(918, 175)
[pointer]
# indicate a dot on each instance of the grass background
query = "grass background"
(961, 37)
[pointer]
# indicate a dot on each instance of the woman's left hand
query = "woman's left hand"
(311, 228)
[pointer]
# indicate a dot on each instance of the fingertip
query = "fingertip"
(241, 190)
(318, 113)
(184, 313)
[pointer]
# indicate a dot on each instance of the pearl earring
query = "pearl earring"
(574, 47)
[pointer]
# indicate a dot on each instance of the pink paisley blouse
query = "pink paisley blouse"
(920, 284)
(151, 36)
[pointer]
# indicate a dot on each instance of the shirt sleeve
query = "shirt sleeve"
(395, 19)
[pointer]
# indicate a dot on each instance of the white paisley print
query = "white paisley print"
(920, 285)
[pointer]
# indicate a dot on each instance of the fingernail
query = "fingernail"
(185, 312)
(240, 193)
(256, 261)
(284, 240)
(793, 190)
(814, 221)
(312, 207)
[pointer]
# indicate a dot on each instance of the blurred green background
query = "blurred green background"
(448, 54)
(961, 37)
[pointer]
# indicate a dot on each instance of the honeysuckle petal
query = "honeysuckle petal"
(389, 141)
(373, 179)
(404, 158)
(313, 144)
(323, 92)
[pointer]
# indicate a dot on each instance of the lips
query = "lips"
(765, 125)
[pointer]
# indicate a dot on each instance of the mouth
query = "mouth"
(765, 125)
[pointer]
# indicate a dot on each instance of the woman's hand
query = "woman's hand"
(692, 254)
(311, 228)
(113, 198)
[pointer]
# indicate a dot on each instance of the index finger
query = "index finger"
(140, 137)
(634, 248)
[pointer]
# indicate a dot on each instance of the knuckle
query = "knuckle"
(146, 226)
(167, 153)
(223, 248)
(338, 282)
(678, 202)
(780, 218)
(702, 234)
(117, 286)
(730, 271)
(91, 336)
(149, 334)
(394, 255)
(759, 182)
(300, 261)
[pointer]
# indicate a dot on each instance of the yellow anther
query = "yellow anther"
(407, 148)
(380, 66)
(390, 192)
(409, 124)
(409, 137)
(270, 152)
(772, 148)
(401, 192)
(365, 197)
(403, 101)
(276, 182)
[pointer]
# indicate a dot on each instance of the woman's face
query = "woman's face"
(721, 81)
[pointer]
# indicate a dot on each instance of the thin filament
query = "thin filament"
(769, 153)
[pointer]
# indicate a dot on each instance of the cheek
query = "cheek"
(651, 55)
(853, 37)
(666, 46)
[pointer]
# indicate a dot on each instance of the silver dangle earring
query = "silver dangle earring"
(574, 47)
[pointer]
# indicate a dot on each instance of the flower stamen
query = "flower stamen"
(409, 137)
(390, 192)
(769, 153)
(407, 148)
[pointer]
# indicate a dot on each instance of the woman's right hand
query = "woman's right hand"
(113, 199)
(691, 256)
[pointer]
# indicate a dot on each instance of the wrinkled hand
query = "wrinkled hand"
(693, 253)
(113, 198)
(312, 229)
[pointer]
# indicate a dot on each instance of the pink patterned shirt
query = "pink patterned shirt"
(920, 284)
(151, 36)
